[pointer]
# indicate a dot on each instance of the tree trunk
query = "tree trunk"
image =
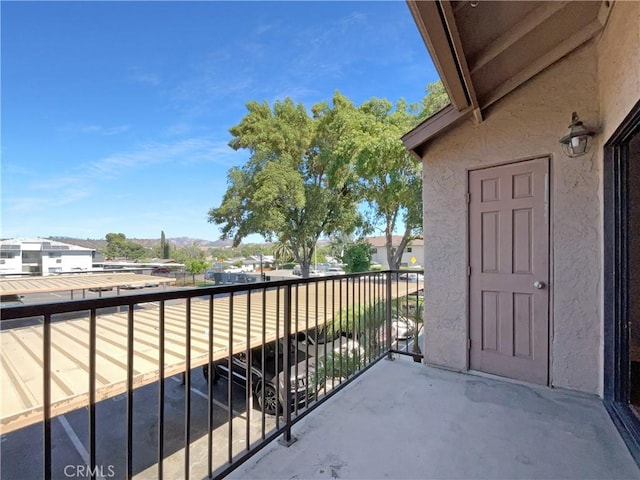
(394, 256)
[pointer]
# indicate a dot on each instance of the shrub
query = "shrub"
(357, 257)
(338, 364)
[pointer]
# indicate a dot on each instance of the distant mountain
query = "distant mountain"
(185, 241)
(99, 244)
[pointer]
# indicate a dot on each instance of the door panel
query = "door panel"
(509, 252)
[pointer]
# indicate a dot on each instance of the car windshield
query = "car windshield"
(296, 356)
(10, 300)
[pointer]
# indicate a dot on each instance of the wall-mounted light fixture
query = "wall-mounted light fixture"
(576, 142)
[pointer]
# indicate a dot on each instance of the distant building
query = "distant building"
(39, 256)
(413, 253)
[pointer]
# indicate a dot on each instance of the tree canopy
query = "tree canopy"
(357, 257)
(119, 247)
(388, 176)
(308, 173)
(285, 191)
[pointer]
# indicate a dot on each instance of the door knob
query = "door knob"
(539, 285)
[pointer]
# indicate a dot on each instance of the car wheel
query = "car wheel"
(271, 403)
(214, 374)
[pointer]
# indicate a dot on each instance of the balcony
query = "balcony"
(244, 366)
(402, 419)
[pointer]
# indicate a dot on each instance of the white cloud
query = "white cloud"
(117, 165)
(94, 129)
(146, 78)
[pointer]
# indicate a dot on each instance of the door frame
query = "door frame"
(616, 281)
(550, 284)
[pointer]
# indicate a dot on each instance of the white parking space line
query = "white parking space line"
(71, 433)
(213, 400)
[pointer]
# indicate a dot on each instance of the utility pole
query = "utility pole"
(261, 272)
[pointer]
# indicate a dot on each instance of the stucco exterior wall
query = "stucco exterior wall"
(527, 123)
(66, 262)
(619, 66)
(11, 264)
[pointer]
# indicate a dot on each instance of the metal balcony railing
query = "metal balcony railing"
(262, 356)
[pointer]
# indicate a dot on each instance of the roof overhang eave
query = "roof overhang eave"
(416, 139)
(437, 27)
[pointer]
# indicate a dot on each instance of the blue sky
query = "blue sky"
(116, 115)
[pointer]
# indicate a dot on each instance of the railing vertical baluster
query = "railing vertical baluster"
(161, 339)
(306, 330)
(333, 331)
(249, 383)
(277, 352)
(315, 386)
(399, 309)
(130, 391)
(382, 312)
(388, 316)
(340, 323)
(263, 359)
(210, 372)
(46, 395)
(230, 384)
(380, 326)
(187, 391)
(367, 319)
(356, 328)
(287, 438)
(326, 331)
(360, 360)
(295, 354)
(92, 393)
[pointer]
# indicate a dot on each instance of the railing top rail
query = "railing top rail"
(54, 308)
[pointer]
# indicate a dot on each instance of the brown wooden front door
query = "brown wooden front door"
(509, 270)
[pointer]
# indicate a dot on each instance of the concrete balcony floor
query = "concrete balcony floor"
(403, 420)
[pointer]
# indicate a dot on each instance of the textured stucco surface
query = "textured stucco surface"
(619, 65)
(525, 124)
(618, 73)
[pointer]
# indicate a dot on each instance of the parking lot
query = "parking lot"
(70, 434)
(70, 431)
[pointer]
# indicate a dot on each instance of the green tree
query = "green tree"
(357, 257)
(134, 251)
(164, 246)
(188, 253)
(339, 242)
(119, 247)
(196, 266)
(282, 252)
(285, 191)
(115, 246)
(435, 100)
(390, 179)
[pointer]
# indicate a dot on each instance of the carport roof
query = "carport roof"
(22, 286)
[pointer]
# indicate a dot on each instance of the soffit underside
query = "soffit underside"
(497, 46)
